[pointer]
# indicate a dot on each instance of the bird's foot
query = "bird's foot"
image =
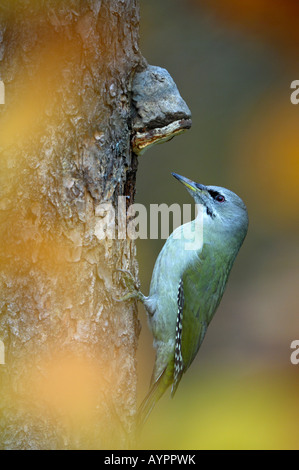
(132, 286)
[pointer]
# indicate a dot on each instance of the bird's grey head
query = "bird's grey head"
(222, 207)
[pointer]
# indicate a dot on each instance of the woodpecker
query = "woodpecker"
(188, 282)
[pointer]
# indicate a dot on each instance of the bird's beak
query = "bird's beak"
(190, 185)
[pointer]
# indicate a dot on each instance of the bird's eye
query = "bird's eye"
(216, 196)
(219, 198)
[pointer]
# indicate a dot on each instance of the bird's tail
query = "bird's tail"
(157, 389)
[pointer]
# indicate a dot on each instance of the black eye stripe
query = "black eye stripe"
(217, 196)
(213, 193)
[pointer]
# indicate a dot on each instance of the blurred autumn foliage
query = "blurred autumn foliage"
(274, 19)
(234, 61)
(268, 142)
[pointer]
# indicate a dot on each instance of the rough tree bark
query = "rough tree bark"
(65, 148)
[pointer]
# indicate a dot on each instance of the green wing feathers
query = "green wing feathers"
(201, 301)
(196, 305)
(194, 318)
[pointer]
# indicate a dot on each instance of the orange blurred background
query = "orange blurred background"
(233, 63)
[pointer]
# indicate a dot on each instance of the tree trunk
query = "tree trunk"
(69, 380)
(70, 374)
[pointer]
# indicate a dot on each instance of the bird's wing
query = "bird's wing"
(199, 293)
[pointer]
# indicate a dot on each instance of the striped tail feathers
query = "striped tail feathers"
(172, 373)
(178, 358)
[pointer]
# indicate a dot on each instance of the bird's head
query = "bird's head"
(222, 208)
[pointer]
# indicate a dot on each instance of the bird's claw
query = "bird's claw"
(127, 296)
(129, 279)
(132, 286)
